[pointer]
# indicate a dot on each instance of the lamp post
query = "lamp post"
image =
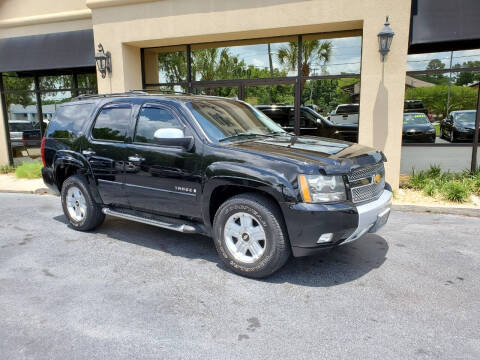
(385, 37)
(104, 61)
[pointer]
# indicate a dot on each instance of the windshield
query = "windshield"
(223, 118)
(20, 126)
(415, 119)
(465, 117)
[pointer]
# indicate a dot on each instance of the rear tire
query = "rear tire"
(250, 235)
(78, 205)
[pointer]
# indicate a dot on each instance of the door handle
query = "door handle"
(88, 152)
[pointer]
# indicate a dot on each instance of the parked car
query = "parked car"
(24, 133)
(417, 106)
(459, 125)
(222, 168)
(417, 129)
(311, 122)
(345, 114)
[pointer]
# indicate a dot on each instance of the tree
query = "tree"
(436, 64)
(467, 77)
(314, 52)
(435, 98)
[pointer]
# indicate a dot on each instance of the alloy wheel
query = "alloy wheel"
(76, 204)
(245, 237)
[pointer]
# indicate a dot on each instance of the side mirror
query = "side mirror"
(173, 137)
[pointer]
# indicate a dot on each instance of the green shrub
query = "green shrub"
(29, 170)
(5, 169)
(455, 190)
(434, 172)
(430, 189)
(418, 180)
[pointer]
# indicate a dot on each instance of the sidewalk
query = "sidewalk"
(10, 183)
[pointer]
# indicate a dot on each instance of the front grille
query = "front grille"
(362, 185)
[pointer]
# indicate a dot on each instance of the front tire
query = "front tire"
(250, 235)
(78, 205)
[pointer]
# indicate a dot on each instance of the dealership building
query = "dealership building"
(248, 49)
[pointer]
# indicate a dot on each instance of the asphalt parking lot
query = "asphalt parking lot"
(133, 291)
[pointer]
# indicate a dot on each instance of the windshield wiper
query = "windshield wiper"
(231, 137)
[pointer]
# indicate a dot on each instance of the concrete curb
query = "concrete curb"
(41, 191)
(471, 212)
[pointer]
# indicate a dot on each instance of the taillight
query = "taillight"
(23, 139)
(42, 150)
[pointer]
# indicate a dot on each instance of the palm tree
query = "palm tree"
(314, 52)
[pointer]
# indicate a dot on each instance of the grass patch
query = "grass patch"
(29, 170)
(6, 169)
(455, 187)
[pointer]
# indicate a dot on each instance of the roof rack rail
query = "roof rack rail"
(130, 92)
(157, 91)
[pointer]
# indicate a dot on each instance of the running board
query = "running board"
(183, 228)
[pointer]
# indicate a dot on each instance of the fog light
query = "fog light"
(324, 238)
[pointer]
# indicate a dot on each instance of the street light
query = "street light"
(104, 61)
(385, 39)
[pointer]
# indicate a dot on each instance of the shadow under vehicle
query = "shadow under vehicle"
(213, 166)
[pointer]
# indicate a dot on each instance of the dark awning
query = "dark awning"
(444, 25)
(65, 50)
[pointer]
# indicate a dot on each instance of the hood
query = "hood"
(417, 127)
(331, 155)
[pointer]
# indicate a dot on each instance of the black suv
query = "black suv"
(214, 166)
(311, 122)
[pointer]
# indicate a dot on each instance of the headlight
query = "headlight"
(321, 188)
(431, 131)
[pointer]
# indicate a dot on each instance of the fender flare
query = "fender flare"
(246, 176)
(68, 158)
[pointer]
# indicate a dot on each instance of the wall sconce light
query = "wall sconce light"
(385, 39)
(104, 61)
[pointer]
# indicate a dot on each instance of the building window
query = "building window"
(31, 100)
(264, 72)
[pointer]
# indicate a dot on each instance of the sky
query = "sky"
(345, 56)
(420, 61)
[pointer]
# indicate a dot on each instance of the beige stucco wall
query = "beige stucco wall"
(122, 25)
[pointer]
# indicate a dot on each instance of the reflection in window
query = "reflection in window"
(150, 120)
(112, 123)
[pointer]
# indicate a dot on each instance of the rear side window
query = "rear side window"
(69, 120)
(112, 123)
(151, 119)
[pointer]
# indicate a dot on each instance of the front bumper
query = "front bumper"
(345, 221)
(372, 216)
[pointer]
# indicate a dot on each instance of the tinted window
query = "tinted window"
(112, 123)
(347, 109)
(307, 119)
(280, 116)
(69, 120)
(20, 126)
(415, 104)
(151, 119)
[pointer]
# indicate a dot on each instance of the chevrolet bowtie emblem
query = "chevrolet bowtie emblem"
(377, 178)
